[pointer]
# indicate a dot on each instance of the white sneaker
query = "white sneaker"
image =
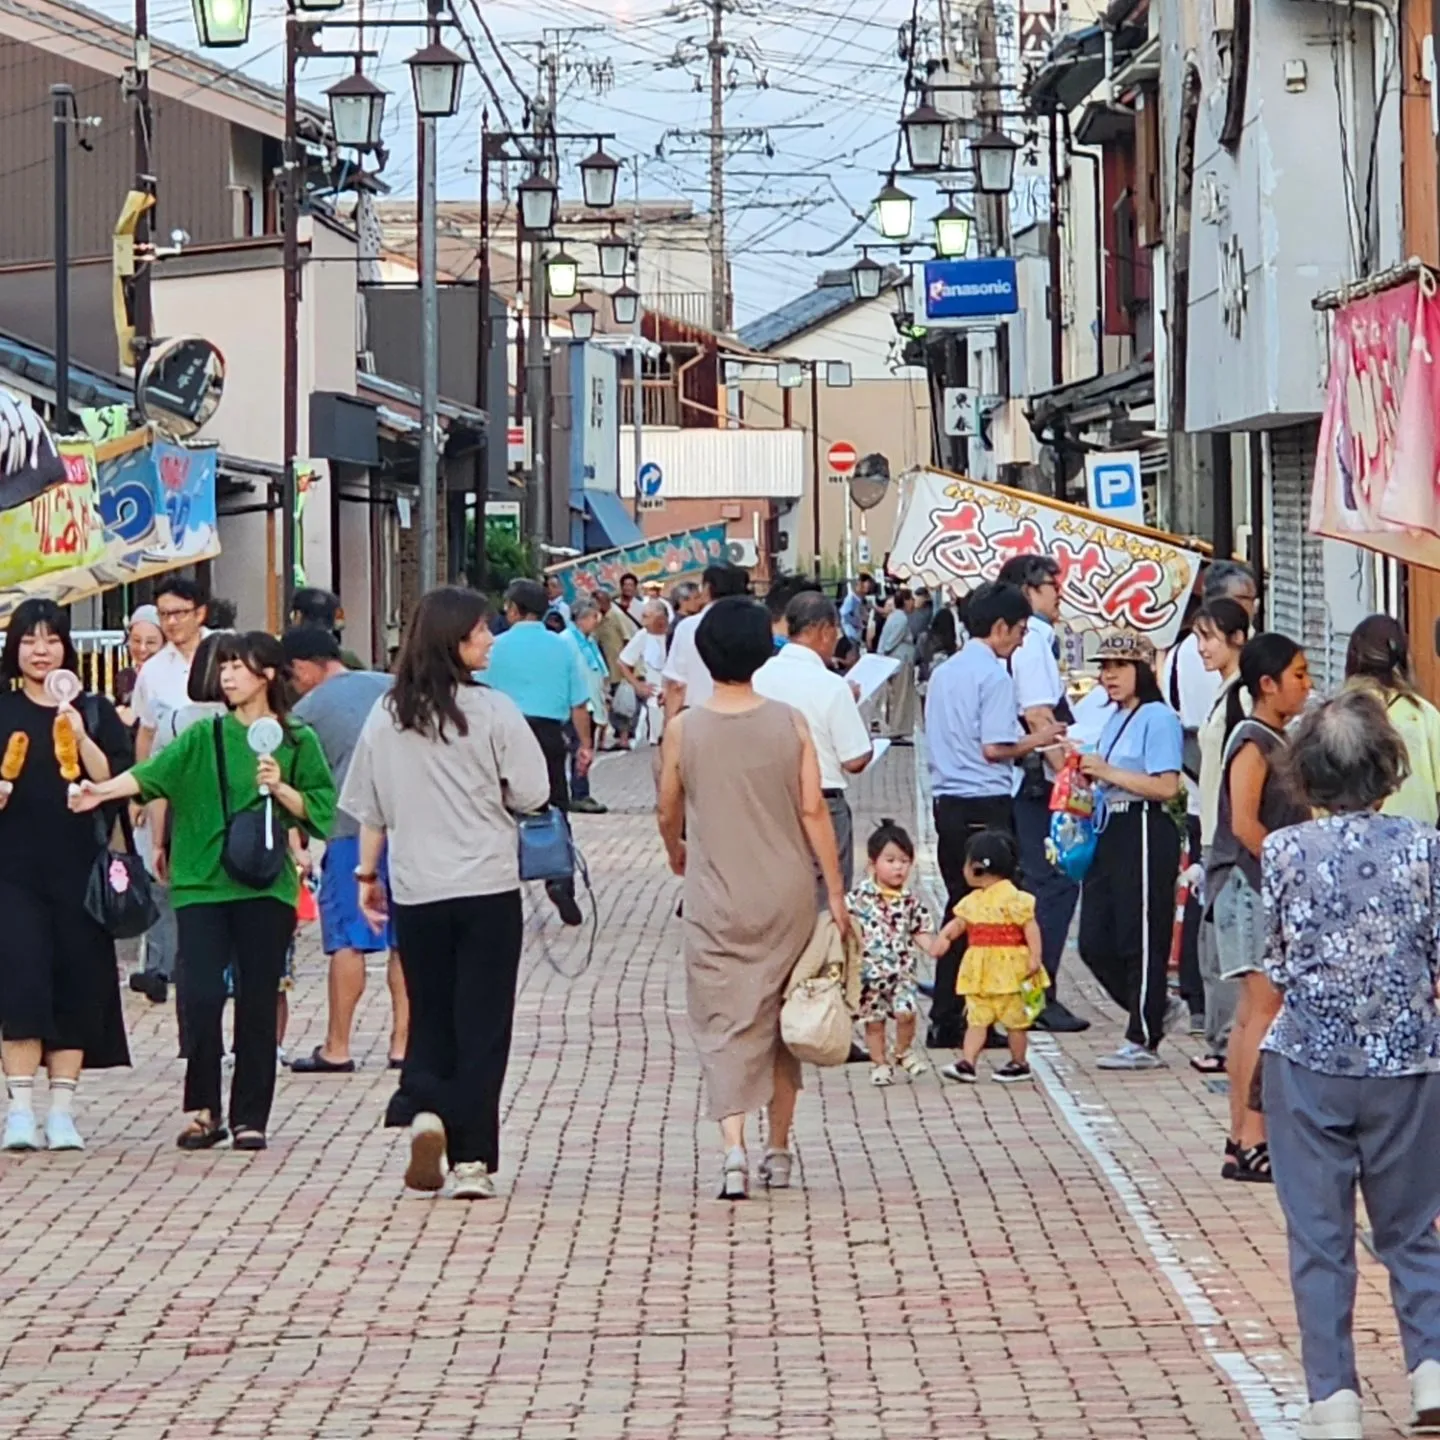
(1425, 1392)
(426, 1170)
(473, 1181)
(1338, 1417)
(60, 1132)
(20, 1132)
(1130, 1057)
(881, 1075)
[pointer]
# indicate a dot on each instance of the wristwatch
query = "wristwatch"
(366, 877)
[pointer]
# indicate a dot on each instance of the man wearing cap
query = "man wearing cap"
(1040, 694)
(335, 702)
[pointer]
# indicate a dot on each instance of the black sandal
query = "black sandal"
(248, 1139)
(1208, 1064)
(1227, 1170)
(1253, 1165)
(201, 1135)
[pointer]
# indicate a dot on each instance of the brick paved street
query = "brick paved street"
(1007, 1263)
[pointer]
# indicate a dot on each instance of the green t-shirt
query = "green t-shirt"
(185, 774)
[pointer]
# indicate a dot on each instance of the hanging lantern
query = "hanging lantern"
(598, 176)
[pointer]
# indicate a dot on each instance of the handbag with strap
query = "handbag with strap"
(816, 1020)
(118, 897)
(254, 848)
(545, 847)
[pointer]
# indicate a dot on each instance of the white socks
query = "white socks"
(62, 1096)
(22, 1094)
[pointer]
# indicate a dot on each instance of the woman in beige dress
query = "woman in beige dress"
(741, 814)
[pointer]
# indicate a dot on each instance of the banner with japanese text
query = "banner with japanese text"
(1377, 463)
(667, 558)
(126, 509)
(955, 534)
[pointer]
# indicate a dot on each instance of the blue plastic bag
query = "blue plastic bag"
(1071, 847)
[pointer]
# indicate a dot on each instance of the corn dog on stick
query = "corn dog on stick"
(67, 749)
(16, 748)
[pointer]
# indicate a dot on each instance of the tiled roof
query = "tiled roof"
(830, 297)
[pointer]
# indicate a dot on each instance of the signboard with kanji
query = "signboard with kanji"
(957, 533)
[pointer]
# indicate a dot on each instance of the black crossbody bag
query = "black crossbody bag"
(253, 850)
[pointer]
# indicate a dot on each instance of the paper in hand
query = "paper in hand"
(870, 672)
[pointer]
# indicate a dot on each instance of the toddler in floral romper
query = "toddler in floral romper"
(890, 921)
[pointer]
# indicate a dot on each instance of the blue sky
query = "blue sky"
(823, 81)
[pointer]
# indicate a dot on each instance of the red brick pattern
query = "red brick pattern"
(953, 1264)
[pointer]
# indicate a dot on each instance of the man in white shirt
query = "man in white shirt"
(1040, 695)
(687, 681)
(1191, 691)
(800, 676)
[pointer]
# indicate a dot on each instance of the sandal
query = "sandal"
(201, 1135)
(735, 1182)
(775, 1169)
(1208, 1064)
(1253, 1165)
(912, 1064)
(1227, 1170)
(247, 1138)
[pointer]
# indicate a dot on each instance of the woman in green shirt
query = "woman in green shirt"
(1379, 658)
(224, 922)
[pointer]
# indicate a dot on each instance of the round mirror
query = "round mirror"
(180, 385)
(63, 686)
(870, 481)
(265, 736)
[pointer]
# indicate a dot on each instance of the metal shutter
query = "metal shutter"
(1295, 586)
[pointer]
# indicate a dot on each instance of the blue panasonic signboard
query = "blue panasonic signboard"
(970, 289)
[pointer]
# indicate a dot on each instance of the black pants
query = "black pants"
(1127, 915)
(1056, 895)
(956, 820)
(553, 745)
(460, 958)
(252, 936)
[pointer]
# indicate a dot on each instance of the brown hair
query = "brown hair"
(1379, 651)
(429, 671)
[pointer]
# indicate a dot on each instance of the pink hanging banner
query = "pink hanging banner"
(1377, 465)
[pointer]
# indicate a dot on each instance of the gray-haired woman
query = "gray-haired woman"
(1352, 1062)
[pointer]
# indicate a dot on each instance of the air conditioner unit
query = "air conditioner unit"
(742, 552)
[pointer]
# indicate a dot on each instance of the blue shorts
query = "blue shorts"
(342, 926)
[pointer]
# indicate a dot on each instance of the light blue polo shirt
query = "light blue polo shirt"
(1152, 743)
(971, 704)
(539, 670)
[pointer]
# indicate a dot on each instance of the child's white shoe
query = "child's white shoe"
(912, 1064)
(882, 1075)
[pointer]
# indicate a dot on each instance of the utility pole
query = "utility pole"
(719, 277)
(62, 99)
(290, 264)
(482, 364)
(537, 357)
(144, 315)
(815, 459)
(429, 348)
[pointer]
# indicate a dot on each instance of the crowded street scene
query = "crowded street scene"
(719, 722)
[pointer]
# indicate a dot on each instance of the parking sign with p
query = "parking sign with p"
(1112, 480)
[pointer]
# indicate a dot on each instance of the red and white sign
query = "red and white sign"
(517, 450)
(842, 457)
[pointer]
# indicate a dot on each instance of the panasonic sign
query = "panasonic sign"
(970, 289)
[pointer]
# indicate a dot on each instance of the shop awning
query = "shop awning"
(608, 524)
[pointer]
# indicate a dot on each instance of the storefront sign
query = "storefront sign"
(957, 290)
(1376, 467)
(668, 558)
(126, 509)
(957, 534)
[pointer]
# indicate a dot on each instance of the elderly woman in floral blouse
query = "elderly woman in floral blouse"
(1352, 1063)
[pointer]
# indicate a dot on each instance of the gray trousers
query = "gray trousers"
(1326, 1132)
(844, 823)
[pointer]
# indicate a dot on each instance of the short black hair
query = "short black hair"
(783, 589)
(992, 603)
(310, 642)
(1029, 571)
(630, 575)
(28, 617)
(734, 639)
(182, 588)
(314, 606)
(528, 597)
(887, 832)
(993, 852)
(221, 614)
(725, 579)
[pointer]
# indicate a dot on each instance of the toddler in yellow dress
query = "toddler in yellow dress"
(1002, 959)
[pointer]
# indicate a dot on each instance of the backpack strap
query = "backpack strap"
(217, 732)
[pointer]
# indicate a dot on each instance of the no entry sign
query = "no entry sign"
(842, 457)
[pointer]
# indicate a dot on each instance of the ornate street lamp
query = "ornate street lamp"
(866, 277)
(625, 302)
(562, 274)
(357, 109)
(437, 74)
(222, 24)
(614, 251)
(539, 198)
(994, 163)
(582, 319)
(924, 129)
(895, 211)
(952, 230)
(598, 175)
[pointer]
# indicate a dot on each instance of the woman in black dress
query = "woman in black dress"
(59, 988)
